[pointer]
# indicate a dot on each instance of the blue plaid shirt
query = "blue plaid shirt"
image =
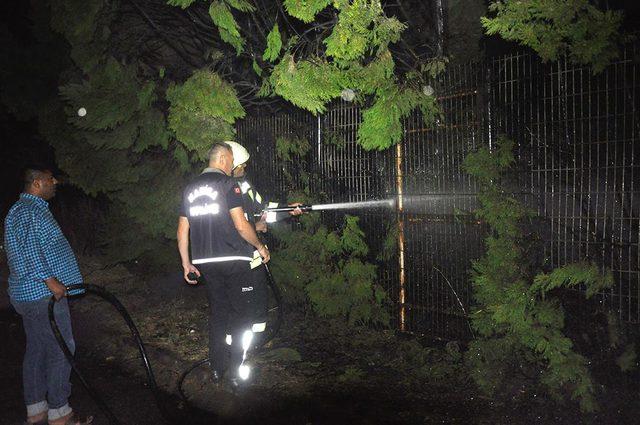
(36, 250)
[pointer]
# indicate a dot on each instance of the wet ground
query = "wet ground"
(314, 372)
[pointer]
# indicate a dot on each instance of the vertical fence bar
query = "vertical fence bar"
(401, 239)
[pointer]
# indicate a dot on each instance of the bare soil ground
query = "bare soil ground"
(313, 372)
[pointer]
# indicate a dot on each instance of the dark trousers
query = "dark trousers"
(237, 298)
(45, 369)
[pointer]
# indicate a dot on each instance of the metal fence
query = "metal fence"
(578, 167)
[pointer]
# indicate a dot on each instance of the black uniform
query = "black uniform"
(236, 292)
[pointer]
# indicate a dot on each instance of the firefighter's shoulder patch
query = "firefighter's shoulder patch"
(237, 189)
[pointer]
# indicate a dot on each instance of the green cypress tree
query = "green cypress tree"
(517, 320)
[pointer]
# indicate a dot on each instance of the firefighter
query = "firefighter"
(254, 205)
(253, 202)
(226, 251)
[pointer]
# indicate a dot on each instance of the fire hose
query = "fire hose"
(107, 296)
(168, 416)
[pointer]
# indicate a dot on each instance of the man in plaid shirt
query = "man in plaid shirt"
(41, 263)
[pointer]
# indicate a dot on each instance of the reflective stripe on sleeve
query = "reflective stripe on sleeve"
(244, 187)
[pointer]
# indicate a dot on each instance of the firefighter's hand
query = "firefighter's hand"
(58, 289)
(190, 268)
(261, 226)
(264, 253)
(297, 211)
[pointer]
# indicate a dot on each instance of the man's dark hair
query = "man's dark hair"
(217, 149)
(33, 173)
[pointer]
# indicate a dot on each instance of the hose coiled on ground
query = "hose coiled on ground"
(151, 380)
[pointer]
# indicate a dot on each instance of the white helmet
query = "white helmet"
(240, 154)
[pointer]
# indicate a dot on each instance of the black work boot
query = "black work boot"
(234, 383)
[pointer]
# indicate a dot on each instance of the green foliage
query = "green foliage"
(361, 26)
(274, 45)
(152, 131)
(352, 239)
(227, 25)
(256, 68)
(241, 5)
(556, 27)
(357, 58)
(373, 78)
(265, 89)
(389, 249)
(291, 152)
(111, 96)
(518, 322)
(202, 111)
(223, 19)
(327, 270)
(487, 166)
(181, 3)
(305, 10)
(382, 123)
(308, 84)
(434, 66)
(288, 148)
(120, 120)
(334, 138)
(119, 163)
(572, 275)
(385, 31)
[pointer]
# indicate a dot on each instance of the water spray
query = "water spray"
(411, 203)
(384, 203)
